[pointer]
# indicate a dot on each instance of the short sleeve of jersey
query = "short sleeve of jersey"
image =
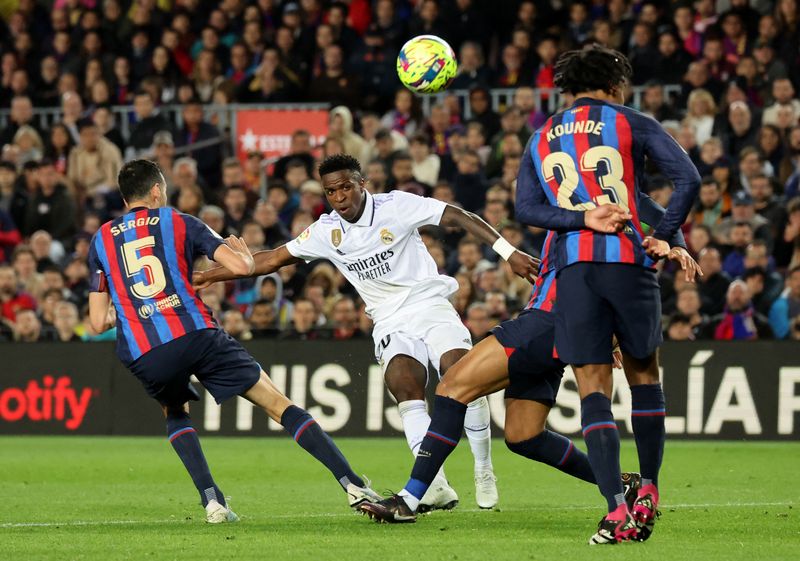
(205, 241)
(98, 281)
(415, 211)
(310, 244)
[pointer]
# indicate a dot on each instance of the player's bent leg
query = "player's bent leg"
(482, 371)
(477, 425)
(186, 444)
(309, 435)
(647, 418)
(527, 436)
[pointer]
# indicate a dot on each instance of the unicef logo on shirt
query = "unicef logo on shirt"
(146, 311)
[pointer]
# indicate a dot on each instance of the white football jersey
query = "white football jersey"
(382, 254)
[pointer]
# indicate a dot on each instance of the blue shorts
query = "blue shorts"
(599, 300)
(533, 372)
(220, 363)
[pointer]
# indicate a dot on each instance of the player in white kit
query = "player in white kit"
(374, 242)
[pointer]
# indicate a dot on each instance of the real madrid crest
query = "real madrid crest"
(336, 237)
(386, 236)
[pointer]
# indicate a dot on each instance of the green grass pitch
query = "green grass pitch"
(129, 498)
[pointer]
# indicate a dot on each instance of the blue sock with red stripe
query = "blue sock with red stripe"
(555, 450)
(647, 417)
(307, 433)
(184, 440)
(602, 441)
(444, 432)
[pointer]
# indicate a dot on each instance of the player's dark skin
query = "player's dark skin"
(345, 191)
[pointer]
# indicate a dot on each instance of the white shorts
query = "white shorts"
(424, 332)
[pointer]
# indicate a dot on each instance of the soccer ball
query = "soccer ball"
(426, 64)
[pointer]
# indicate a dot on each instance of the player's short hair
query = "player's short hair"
(339, 162)
(592, 68)
(137, 177)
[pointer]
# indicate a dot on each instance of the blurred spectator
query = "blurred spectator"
(11, 298)
(94, 163)
(742, 212)
(785, 311)
(783, 94)
(341, 129)
(66, 322)
(21, 114)
(234, 323)
(472, 69)
(335, 85)
(52, 207)
(196, 131)
(13, 198)
(425, 165)
(344, 319)
(482, 112)
(700, 113)
(304, 322)
(406, 117)
(679, 328)
(9, 235)
(740, 321)
(28, 328)
(262, 320)
(757, 256)
(741, 235)
(148, 123)
(299, 149)
(478, 321)
(714, 283)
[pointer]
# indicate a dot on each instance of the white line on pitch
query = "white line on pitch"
(343, 514)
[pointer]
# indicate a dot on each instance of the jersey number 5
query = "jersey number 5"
(135, 263)
(614, 188)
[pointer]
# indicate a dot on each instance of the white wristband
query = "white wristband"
(503, 248)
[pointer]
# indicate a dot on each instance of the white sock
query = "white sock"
(477, 423)
(411, 500)
(416, 421)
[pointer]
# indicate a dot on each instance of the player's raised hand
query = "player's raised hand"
(524, 266)
(607, 219)
(657, 249)
(239, 246)
(688, 264)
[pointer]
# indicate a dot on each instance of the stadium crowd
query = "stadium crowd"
(736, 114)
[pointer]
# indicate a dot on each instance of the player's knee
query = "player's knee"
(640, 371)
(516, 433)
(451, 386)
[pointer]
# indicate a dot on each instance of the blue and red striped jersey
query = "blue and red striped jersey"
(590, 154)
(543, 295)
(144, 259)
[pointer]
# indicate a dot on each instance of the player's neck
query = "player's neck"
(142, 203)
(361, 210)
(599, 95)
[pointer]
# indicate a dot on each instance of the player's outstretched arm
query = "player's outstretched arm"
(265, 263)
(521, 263)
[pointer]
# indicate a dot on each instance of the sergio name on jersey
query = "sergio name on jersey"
(382, 254)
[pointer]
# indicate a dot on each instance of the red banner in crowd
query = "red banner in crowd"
(269, 131)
